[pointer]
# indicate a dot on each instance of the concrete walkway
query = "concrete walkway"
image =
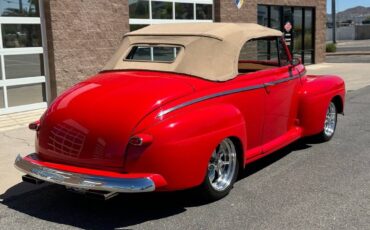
(19, 120)
(14, 142)
(356, 75)
(15, 138)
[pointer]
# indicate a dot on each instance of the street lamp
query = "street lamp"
(333, 15)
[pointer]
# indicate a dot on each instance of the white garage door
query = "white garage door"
(22, 75)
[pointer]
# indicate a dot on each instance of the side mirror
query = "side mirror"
(296, 61)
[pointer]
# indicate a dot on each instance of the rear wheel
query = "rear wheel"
(330, 123)
(222, 171)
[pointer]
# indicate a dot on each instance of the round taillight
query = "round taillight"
(141, 140)
(34, 126)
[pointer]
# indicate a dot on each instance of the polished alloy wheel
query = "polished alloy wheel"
(331, 120)
(222, 166)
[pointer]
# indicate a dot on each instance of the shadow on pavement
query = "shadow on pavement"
(53, 203)
(19, 189)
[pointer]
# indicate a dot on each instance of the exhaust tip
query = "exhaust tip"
(100, 195)
(32, 180)
(93, 194)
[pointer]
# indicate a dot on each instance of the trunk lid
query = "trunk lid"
(90, 124)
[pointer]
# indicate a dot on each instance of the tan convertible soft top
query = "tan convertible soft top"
(210, 50)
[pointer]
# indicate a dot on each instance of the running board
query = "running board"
(282, 141)
(273, 146)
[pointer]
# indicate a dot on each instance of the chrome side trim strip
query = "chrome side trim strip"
(185, 104)
(162, 113)
(86, 182)
(293, 77)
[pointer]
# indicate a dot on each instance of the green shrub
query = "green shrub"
(331, 48)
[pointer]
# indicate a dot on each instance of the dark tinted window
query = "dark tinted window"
(204, 12)
(275, 22)
(263, 15)
(162, 10)
(139, 9)
(308, 37)
(184, 10)
(297, 30)
(21, 35)
(308, 29)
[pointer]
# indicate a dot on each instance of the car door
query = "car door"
(252, 101)
(282, 100)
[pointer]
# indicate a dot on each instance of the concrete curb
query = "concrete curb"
(348, 53)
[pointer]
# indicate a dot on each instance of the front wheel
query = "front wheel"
(222, 171)
(330, 124)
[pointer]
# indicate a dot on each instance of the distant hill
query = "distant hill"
(356, 14)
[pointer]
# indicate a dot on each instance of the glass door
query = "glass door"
(298, 32)
(297, 24)
(308, 39)
(303, 29)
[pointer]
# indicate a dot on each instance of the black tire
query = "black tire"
(207, 188)
(328, 133)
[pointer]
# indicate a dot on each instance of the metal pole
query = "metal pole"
(333, 14)
(48, 81)
(20, 7)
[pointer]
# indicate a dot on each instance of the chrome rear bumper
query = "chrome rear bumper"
(83, 181)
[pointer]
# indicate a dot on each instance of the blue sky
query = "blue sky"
(345, 4)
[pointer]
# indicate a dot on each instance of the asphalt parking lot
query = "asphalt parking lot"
(304, 186)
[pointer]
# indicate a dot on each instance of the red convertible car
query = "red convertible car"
(182, 106)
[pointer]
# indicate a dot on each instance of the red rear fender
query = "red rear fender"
(183, 143)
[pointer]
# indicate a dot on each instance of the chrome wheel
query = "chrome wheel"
(222, 165)
(330, 120)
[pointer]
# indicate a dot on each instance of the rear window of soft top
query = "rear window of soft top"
(153, 53)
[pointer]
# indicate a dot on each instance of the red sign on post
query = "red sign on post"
(288, 27)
